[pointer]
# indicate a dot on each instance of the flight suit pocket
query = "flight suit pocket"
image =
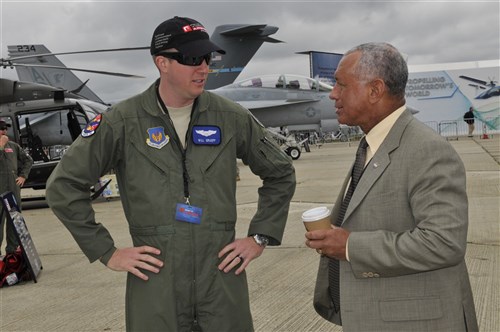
(271, 157)
(154, 236)
(152, 230)
(151, 177)
(222, 233)
(217, 158)
(159, 292)
(151, 158)
(223, 226)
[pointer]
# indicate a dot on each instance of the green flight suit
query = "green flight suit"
(189, 291)
(14, 162)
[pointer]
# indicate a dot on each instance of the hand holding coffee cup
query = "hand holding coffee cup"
(317, 218)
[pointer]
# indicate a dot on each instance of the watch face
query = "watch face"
(261, 240)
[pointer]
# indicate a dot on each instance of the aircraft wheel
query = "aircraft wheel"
(293, 152)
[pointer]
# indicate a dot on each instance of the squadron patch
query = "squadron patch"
(92, 126)
(157, 138)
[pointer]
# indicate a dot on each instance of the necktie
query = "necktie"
(333, 266)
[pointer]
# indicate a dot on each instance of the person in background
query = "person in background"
(394, 257)
(174, 149)
(469, 119)
(15, 166)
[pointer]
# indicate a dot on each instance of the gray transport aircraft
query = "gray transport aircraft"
(50, 105)
(35, 63)
(298, 103)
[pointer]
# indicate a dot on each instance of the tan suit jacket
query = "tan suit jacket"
(409, 219)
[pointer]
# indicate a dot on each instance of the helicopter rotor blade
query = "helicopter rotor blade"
(492, 81)
(78, 69)
(477, 86)
(80, 52)
(475, 80)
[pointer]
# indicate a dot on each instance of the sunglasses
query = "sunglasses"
(3, 128)
(188, 60)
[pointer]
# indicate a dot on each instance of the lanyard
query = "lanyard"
(185, 174)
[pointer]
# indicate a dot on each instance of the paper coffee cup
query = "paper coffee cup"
(317, 218)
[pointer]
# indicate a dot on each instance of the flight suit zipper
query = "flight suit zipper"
(195, 327)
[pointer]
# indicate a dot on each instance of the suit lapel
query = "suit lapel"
(379, 163)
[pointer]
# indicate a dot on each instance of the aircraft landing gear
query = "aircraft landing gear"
(293, 152)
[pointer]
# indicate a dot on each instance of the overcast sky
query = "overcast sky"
(426, 31)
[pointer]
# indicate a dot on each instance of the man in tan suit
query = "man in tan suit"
(400, 245)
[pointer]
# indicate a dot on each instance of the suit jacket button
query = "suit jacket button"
(365, 275)
(376, 275)
(370, 274)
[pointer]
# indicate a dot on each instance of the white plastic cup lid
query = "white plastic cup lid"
(315, 214)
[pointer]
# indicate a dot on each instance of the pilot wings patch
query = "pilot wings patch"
(206, 135)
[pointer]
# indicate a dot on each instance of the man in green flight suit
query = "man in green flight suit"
(174, 149)
(15, 165)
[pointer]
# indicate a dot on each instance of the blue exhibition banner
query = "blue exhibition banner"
(438, 95)
(323, 65)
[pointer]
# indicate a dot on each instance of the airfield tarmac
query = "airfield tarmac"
(73, 295)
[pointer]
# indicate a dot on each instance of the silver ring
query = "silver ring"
(319, 251)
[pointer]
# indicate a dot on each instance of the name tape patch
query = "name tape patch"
(206, 135)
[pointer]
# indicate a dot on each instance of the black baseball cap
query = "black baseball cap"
(4, 124)
(186, 35)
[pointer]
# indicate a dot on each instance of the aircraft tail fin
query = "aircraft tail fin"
(241, 42)
(62, 78)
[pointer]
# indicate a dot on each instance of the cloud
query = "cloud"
(428, 32)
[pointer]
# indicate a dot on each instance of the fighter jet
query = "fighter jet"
(298, 102)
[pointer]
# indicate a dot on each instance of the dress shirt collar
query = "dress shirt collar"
(377, 134)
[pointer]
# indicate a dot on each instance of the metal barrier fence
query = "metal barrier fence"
(453, 129)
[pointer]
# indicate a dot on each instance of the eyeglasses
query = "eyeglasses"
(188, 60)
(3, 128)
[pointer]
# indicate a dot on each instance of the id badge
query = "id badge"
(188, 213)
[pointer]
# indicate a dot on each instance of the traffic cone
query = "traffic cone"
(485, 135)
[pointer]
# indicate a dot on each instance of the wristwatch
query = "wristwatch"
(261, 240)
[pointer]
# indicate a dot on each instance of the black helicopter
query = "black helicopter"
(44, 119)
(491, 88)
